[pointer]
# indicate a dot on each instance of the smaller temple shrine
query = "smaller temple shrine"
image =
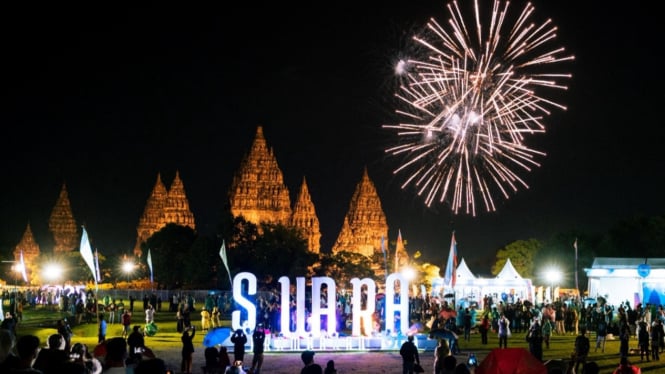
(62, 224)
(164, 207)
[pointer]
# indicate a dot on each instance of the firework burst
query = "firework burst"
(470, 103)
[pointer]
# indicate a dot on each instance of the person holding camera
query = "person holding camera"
(258, 340)
(239, 339)
(187, 349)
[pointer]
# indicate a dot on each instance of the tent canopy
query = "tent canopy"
(511, 361)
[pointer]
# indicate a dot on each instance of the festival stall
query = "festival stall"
(619, 279)
(508, 286)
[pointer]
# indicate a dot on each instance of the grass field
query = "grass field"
(41, 322)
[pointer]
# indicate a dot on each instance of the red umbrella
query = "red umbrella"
(448, 313)
(510, 360)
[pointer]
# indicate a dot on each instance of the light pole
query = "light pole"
(553, 276)
(53, 272)
(18, 270)
(128, 268)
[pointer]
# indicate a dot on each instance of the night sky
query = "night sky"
(104, 99)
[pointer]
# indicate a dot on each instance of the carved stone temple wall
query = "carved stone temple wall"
(164, 207)
(62, 224)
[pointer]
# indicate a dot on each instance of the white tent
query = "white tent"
(508, 286)
(619, 279)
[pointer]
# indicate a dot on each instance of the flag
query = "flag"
(577, 285)
(86, 253)
(98, 274)
(222, 254)
(149, 261)
(23, 273)
(451, 266)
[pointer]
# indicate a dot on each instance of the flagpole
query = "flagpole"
(577, 285)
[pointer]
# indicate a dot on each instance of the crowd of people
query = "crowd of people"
(591, 324)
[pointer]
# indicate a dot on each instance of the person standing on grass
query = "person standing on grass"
(582, 347)
(601, 334)
(547, 331)
(466, 322)
(126, 320)
(187, 350)
(101, 333)
(624, 337)
(657, 333)
(258, 341)
(643, 339)
(239, 339)
(504, 331)
(535, 339)
(149, 314)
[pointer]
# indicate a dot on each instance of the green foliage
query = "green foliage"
(344, 266)
(171, 250)
(521, 254)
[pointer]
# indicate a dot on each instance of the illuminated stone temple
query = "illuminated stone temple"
(28, 245)
(365, 223)
(258, 193)
(63, 225)
(164, 207)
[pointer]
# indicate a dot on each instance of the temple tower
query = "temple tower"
(176, 209)
(258, 192)
(62, 224)
(31, 252)
(164, 207)
(365, 223)
(304, 218)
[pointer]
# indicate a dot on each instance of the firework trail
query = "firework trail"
(469, 104)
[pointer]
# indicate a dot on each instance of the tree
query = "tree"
(521, 253)
(171, 251)
(344, 266)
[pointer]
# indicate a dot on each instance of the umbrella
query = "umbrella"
(511, 360)
(442, 334)
(415, 328)
(448, 313)
(216, 336)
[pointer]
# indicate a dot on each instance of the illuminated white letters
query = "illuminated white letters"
(318, 309)
(363, 317)
(402, 306)
(364, 291)
(239, 298)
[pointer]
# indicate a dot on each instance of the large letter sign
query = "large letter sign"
(363, 317)
(239, 298)
(363, 302)
(327, 310)
(402, 307)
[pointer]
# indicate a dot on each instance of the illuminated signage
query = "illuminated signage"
(396, 305)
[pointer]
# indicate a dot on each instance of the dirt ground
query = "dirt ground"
(290, 362)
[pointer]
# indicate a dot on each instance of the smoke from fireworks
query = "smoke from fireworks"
(470, 102)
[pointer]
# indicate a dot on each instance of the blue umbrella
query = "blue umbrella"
(216, 336)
